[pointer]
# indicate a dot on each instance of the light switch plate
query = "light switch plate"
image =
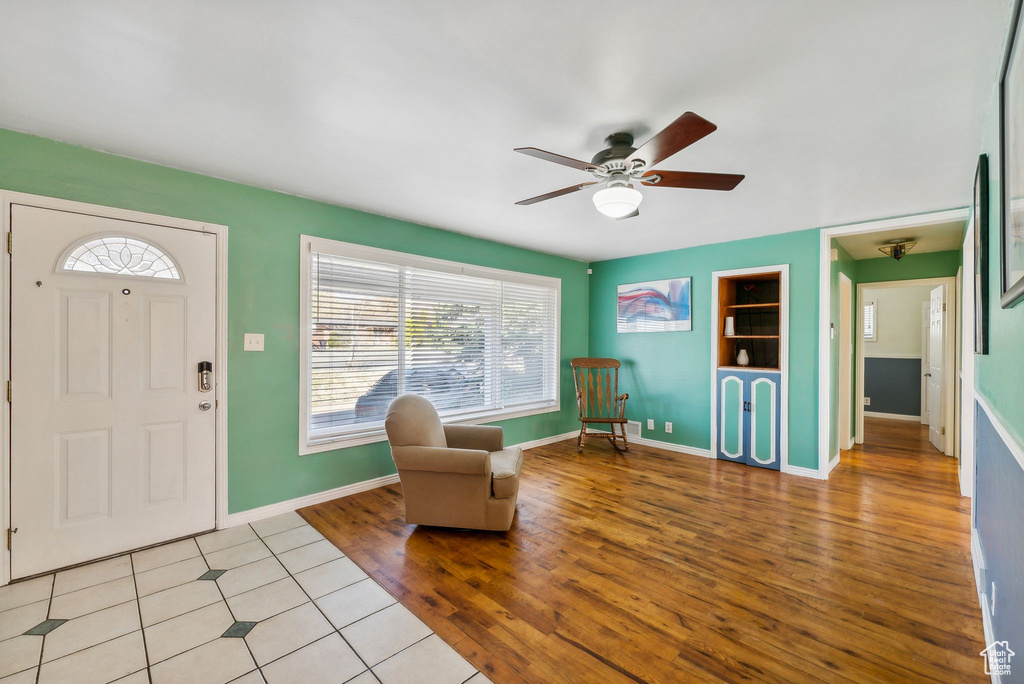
(650, 423)
(253, 342)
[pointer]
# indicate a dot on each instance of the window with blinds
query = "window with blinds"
(869, 321)
(476, 342)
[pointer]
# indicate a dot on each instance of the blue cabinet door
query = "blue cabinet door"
(763, 420)
(731, 415)
(749, 420)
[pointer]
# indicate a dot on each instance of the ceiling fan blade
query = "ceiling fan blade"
(635, 213)
(692, 179)
(557, 158)
(683, 132)
(556, 193)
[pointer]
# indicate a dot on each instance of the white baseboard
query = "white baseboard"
(270, 510)
(669, 446)
(892, 416)
(833, 462)
(544, 441)
(812, 473)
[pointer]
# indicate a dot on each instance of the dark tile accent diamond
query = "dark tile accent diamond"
(212, 574)
(45, 627)
(239, 630)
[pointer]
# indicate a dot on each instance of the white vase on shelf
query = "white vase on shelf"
(730, 326)
(741, 358)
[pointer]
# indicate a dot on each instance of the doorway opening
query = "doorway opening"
(889, 335)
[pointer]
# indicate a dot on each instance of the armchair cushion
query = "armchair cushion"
(505, 468)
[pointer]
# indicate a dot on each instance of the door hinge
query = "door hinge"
(942, 431)
(943, 306)
(10, 242)
(10, 532)
(8, 391)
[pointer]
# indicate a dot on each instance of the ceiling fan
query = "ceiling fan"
(620, 163)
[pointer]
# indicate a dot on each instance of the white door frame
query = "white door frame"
(783, 270)
(825, 307)
(966, 369)
(949, 350)
(844, 440)
(7, 198)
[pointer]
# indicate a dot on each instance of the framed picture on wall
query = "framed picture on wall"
(979, 222)
(1011, 140)
(654, 306)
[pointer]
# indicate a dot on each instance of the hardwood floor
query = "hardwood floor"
(661, 567)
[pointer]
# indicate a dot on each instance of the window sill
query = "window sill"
(378, 435)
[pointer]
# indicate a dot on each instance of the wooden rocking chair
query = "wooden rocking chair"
(599, 401)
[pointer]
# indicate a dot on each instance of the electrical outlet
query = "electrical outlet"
(867, 401)
(650, 423)
(668, 428)
(253, 342)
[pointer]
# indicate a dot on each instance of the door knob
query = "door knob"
(205, 406)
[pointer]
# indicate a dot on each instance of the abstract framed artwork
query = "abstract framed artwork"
(979, 223)
(1011, 185)
(654, 306)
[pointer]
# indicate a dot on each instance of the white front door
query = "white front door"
(112, 441)
(936, 354)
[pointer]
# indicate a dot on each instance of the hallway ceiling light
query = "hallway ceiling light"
(897, 249)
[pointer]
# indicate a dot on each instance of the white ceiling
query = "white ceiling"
(835, 111)
(940, 237)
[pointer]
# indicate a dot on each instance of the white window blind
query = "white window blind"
(869, 321)
(475, 346)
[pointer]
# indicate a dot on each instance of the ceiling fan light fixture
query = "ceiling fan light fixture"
(617, 201)
(897, 249)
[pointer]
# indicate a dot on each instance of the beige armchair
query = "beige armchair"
(452, 475)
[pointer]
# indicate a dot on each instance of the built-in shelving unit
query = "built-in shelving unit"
(749, 415)
(752, 300)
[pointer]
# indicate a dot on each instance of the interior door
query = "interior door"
(845, 361)
(936, 354)
(112, 439)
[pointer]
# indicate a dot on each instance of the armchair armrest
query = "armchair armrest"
(486, 437)
(442, 460)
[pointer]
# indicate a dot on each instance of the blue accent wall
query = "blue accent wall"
(1000, 522)
(894, 385)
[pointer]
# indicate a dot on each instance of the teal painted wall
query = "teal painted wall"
(999, 380)
(1000, 374)
(263, 275)
(668, 375)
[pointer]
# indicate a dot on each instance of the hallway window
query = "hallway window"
(869, 322)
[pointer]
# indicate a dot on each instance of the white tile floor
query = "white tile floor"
(273, 602)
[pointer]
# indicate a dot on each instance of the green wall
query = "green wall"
(910, 267)
(263, 282)
(1000, 374)
(668, 375)
(878, 270)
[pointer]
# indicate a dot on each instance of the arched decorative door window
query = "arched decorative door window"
(119, 255)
